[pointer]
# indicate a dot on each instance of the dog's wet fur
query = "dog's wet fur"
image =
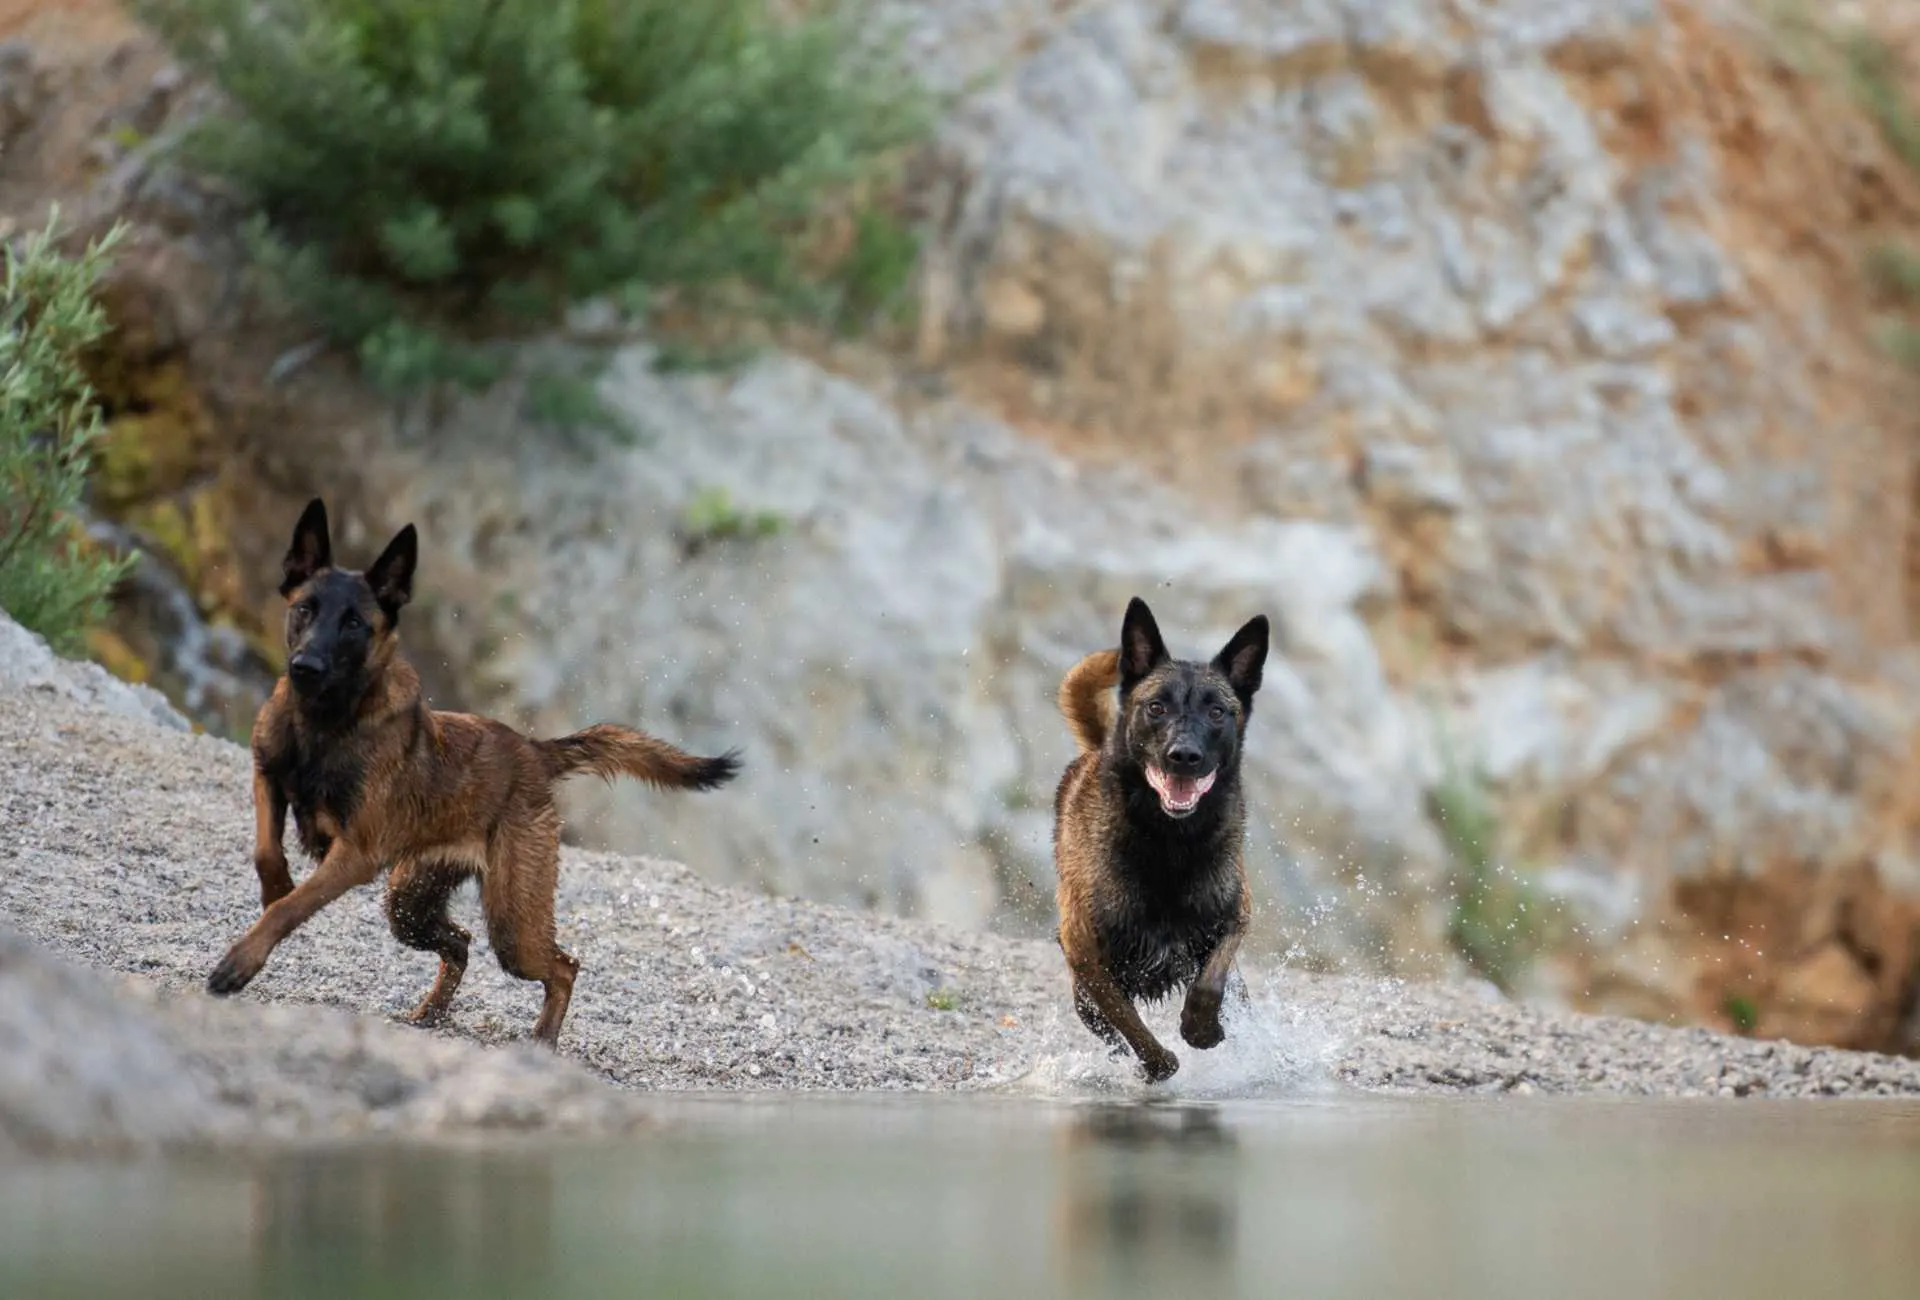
(1149, 828)
(377, 780)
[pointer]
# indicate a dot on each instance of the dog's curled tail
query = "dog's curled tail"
(608, 751)
(1084, 695)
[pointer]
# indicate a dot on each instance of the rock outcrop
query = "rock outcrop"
(1515, 358)
(27, 664)
(80, 1069)
(104, 1066)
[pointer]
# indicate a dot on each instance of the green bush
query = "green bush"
(1895, 272)
(435, 174)
(1870, 71)
(49, 580)
(1874, 75)
(1496, 919)
(712, 516)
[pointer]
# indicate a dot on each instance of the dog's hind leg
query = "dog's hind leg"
(516, 893)
(417, 897)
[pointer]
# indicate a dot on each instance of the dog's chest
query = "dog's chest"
(1157, 939)
(323, 785)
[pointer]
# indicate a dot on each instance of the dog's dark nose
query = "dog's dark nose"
(305, 670)
(1182, 755)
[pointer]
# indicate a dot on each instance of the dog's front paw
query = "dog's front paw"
(1159, 1065)
(235, 971)
(1200, 1019)
(1202, 1033)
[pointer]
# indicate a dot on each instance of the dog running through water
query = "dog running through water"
(375, 779)
(1149, 825)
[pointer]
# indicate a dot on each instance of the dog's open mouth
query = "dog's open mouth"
(1179, 795)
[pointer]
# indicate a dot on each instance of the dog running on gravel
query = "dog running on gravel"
(1148, 827)
(376, 779)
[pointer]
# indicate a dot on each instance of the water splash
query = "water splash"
(1274, 1048)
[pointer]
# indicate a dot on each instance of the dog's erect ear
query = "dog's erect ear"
(311, 550)
(1243, 658)
(1141, 649)
(391, 576)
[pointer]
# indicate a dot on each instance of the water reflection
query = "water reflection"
(1145, 1192)
(1350, 1200)
(1142, 1125)
(436, 1223)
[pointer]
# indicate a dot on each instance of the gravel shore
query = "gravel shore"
(124, 847)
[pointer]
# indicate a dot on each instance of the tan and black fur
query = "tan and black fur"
(375, 779)
(1153, 893)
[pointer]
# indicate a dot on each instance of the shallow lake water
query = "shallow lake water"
(1009, 1197)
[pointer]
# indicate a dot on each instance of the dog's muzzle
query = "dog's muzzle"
(1179, 795)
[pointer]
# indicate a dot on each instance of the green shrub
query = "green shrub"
(50, 581)
(1895, 272)
(1496, 922)
(1874, 75)
(1743, 1011)
(1871, 73)
(435, 174)
(711, 515)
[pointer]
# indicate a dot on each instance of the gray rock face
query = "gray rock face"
(1363, 315)
(890, 656)
(20, 90)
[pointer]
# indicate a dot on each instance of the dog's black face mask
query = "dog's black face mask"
(1184, 720)
(339, 622)
(330, 632)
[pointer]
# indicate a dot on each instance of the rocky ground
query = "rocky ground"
(124, 874)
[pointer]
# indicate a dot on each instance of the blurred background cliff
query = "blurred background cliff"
(1539, 366)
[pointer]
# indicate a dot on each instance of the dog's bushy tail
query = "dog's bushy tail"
(608, 751)
(1084, 695)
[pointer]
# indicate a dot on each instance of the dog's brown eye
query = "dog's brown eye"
(1156, 710)
(1217, 713)
(351, 622)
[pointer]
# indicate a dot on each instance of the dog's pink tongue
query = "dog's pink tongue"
(1179, 791)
